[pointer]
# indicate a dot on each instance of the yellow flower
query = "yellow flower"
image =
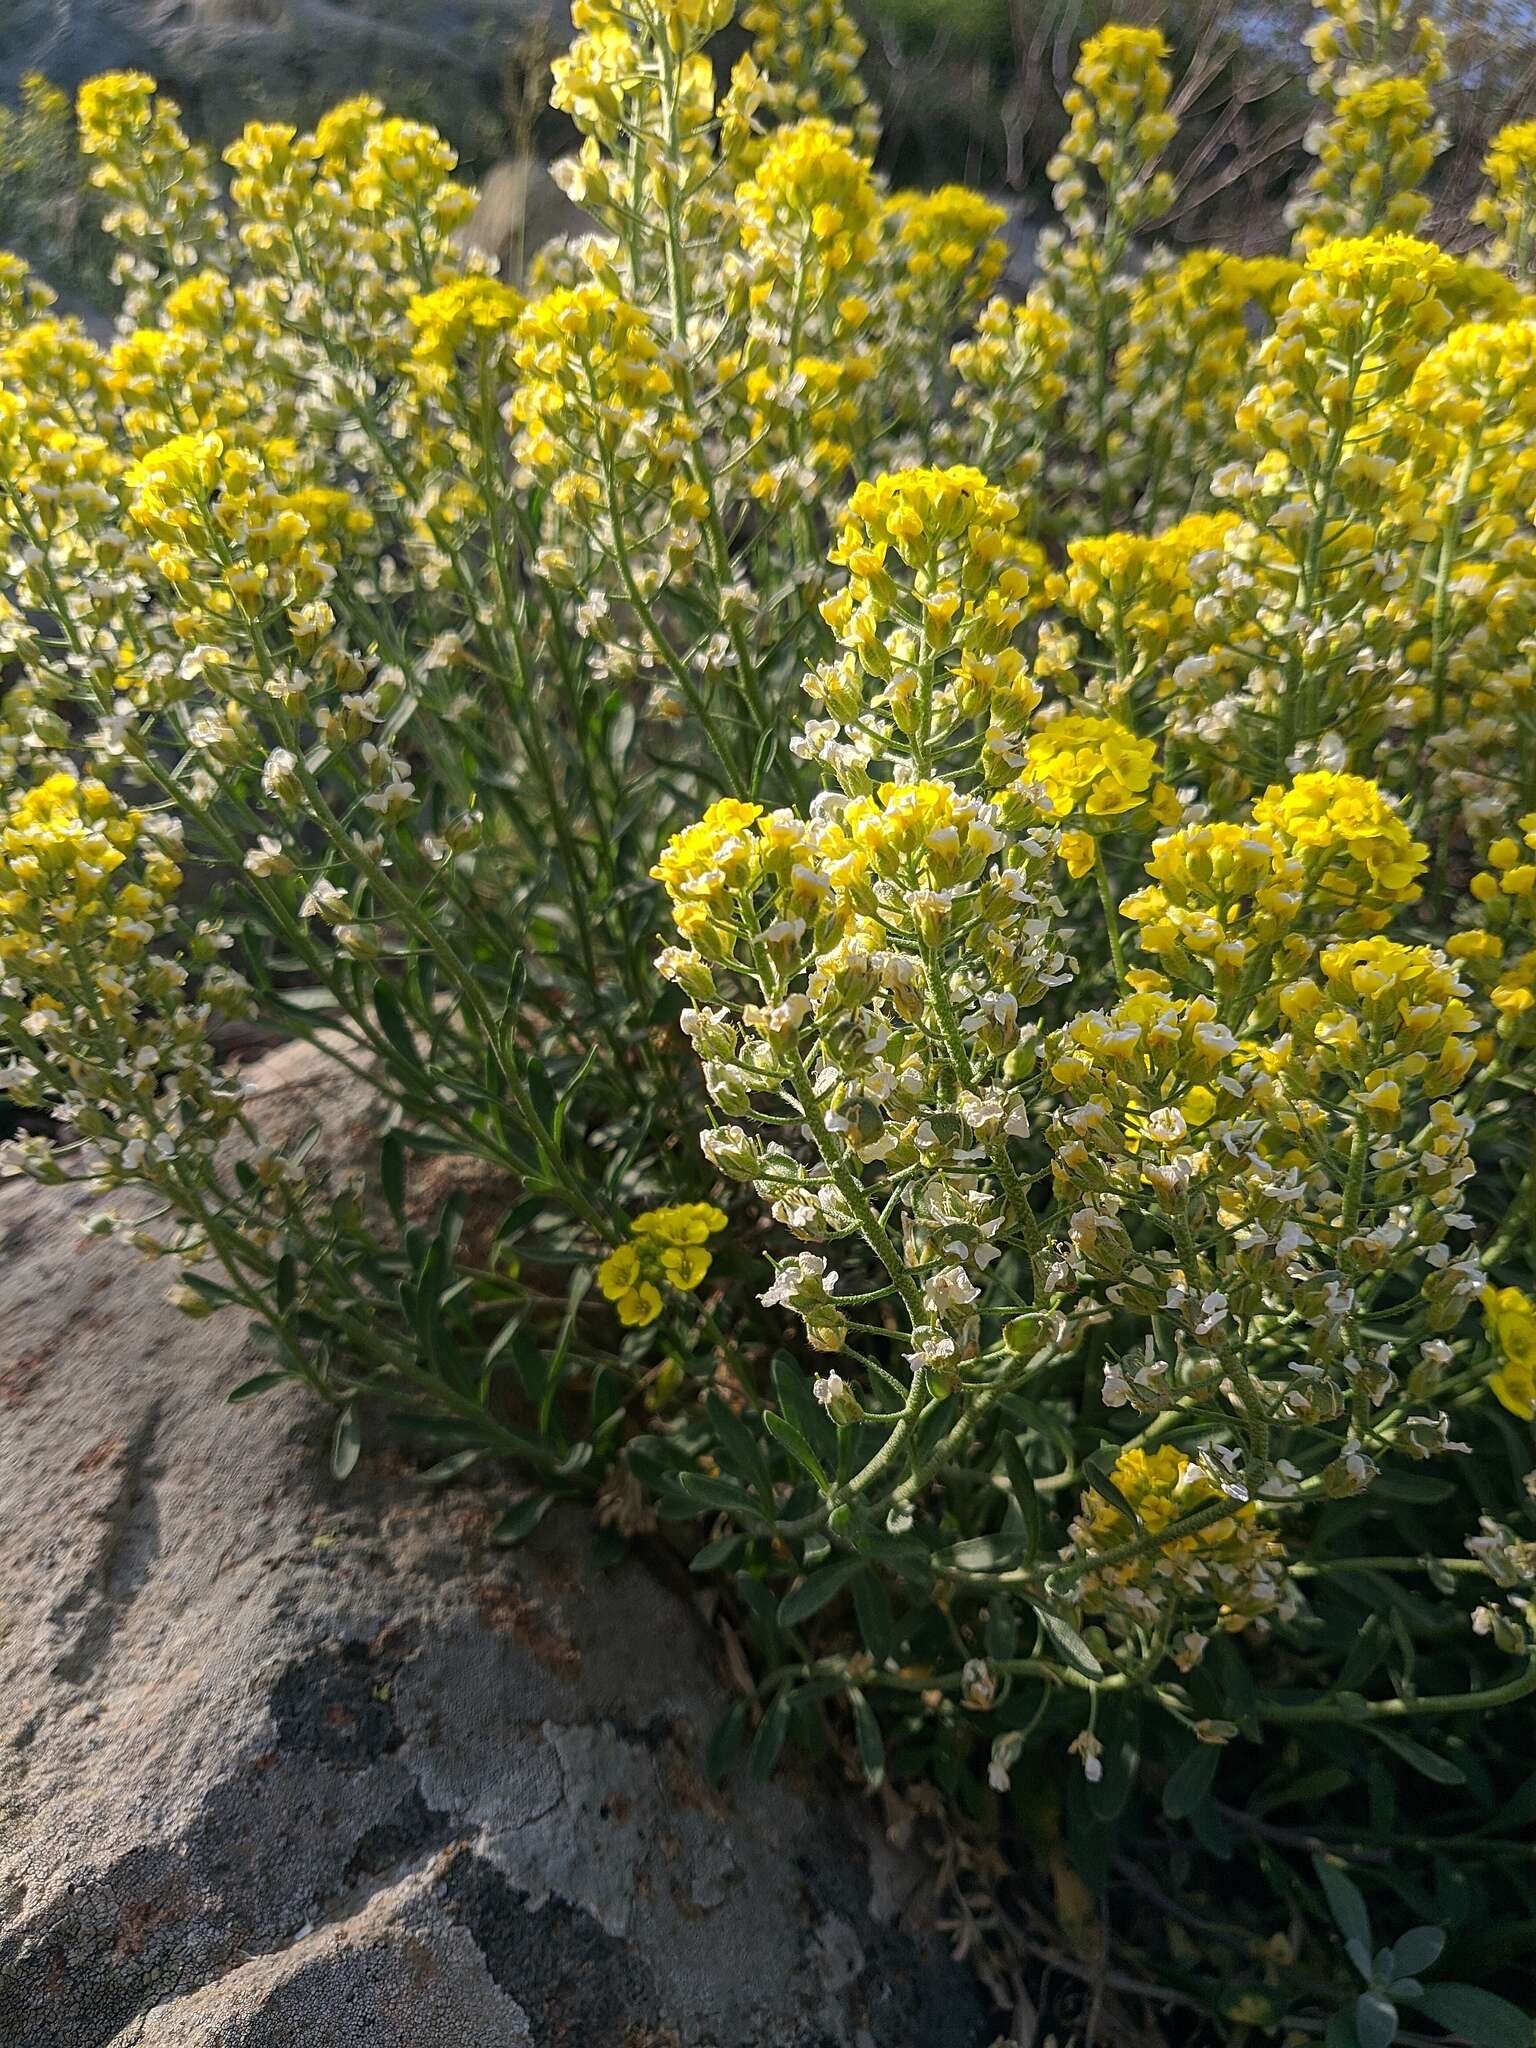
(1372, 153)
(1383, 1012)
(812, 199)
(666, 1249)
(1135, 592)
(1354, 847)
(1234, 1563)
(476, 308)
(1090, 765)
(949, 251)
(622, 1279)
(1510, 1315)
(1509, 208)
(926, 834)
(1218, 891)
(684, 1223)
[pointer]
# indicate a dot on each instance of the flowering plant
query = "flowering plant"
(1079, 760)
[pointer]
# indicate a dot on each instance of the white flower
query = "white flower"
(280, 777)
(267, 857)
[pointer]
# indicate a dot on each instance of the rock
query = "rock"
(231, 59)
(284, 1761)
(520, 208)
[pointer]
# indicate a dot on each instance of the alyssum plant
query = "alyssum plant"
(1082, 753)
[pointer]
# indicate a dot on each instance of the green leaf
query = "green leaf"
(541, 1093)
(451, 1468)
(1002, 1630)
(1341, 2031)
(1480, 2017)
(726, 1743)
(1021, 1481)
(982, 1554)
(814, 1592)
(1070, 1643)
(392, 1174)
(1345, 1902)
(1417, 1951)
(799, 1405)
(724, 1494)
(346, 1444)
(872, 1605)
(1375, 2020)
(742, 1450)
(794, 1442)
(259, 1383)
(769, 1739)
(1309, 1790)
(520, 1520)
(1438, 1769)
(716, 1555)
(1191, 1783)
(871, 1743)
(393, 1024)
(562, 1110)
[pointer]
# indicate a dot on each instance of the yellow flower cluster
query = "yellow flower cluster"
(1500, 951)
(1153, 1057)
(806, 54)
(1374, 301)
(1510, 1315)
(1122, 71)
(1372, 155)
(1136, 594)
(1095, 768)
(61, 845)
(923, 835)
(598, 403)
(471, 310)
(807, 223)
(1473, 403)
(1222, 893)
(1387, 1019)
(808, 213)
(23, 297)
(1182, 370)
(940, 583)
(667, 1248)
(946, 252)
(1107, 188)
(1230, 1571)
(1354, 848)
(207, 507)
(735, 849)
(1508, 209)
(1011, 385)
(163, 205)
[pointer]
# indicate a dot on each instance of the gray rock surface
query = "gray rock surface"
(287, 1762)
(218, 52)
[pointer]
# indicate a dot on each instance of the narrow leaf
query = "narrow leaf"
(866, 1732)
(816, 1591)
(521, 1519)
(259, 1383)
(1345, 1902)
(1070, 1643)
(346, 1444)
(1480, 2017)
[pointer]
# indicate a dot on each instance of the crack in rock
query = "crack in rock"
(124, 1560)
